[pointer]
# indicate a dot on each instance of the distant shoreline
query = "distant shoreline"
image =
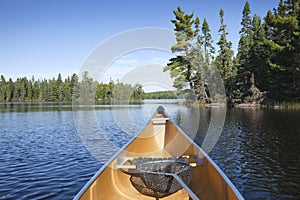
(285, 105)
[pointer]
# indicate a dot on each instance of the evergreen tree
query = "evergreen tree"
(23, 89)
(180, 67)
(45, 91)
(16, 94)
(245, 43)
(2, 88)
(9, 90)
(190, 67)
(197, 33)
(224, 60)
(36, 90)
(283, 41)
(53, 90)
(60, 88)
(29, 91)
(87, 90)
(209, 49)
(67, 90)
(259, 55)
(75, 86)
(197, 59)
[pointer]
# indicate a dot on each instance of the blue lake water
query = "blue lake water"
(43, 156)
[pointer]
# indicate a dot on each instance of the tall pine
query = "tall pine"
(207, 41)
(224, 60)
(244, 45)
(180, 67)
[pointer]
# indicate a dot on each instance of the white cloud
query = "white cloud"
(125, 61)
(133, 62)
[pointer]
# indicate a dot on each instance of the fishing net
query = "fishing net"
(153, 176)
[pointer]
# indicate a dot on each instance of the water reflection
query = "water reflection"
(259, 150)
(60, 106)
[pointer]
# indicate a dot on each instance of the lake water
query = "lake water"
(43, 156)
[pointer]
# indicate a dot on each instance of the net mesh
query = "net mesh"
(153, 176)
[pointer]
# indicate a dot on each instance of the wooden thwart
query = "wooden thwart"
(122, 165)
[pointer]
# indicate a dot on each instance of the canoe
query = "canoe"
(161, 162)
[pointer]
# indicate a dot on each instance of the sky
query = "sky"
(44, 38)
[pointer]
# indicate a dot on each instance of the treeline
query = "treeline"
(163, 95)
(72, 88)
(266, 67)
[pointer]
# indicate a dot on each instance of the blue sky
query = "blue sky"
(43, 38)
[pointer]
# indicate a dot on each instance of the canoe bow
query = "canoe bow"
(161, 139)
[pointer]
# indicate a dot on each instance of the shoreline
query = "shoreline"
(284, 105)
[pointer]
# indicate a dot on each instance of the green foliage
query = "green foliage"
(164, 95)
(224, 60)
(180, 68)
(244, 46)
(270, 50)
(184, 32)
(70, 89)
(138, 92)
(267, 64)
(282, 41)
(86, 88)
(185, 68)
(207, 39)
(2, 88)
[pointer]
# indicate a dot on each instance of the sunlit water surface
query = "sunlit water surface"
(44, 156)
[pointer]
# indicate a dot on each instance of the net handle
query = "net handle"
(185, 187)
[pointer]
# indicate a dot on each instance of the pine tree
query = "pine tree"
(9, 90)
(59, 86)
(45, 91)
(190, 66)
(29, 90)
(224, 60)
(259, 55)
(283, 40)
(87, 88)
(2, 88)
(209, 49)
(23, 89)
(67, 90)
(197, 59)
(16, 95)
(53, 90)
(180, 67)
(75, 86)
(36, 89)
(244, 46)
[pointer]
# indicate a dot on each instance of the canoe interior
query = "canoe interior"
(160, 138)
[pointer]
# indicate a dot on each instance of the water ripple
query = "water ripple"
(42, 156)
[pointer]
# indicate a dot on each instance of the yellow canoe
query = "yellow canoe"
(162, 162)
